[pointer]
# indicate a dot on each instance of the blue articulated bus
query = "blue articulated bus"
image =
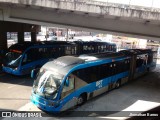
(69, 81)
(21, 58)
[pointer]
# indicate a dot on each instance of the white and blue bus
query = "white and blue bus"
(21, 58)
(69, 81)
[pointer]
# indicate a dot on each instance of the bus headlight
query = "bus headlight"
(15, 68)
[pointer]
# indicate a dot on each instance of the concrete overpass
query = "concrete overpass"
(120, 19)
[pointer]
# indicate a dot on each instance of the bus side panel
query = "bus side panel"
(71, 101)
(108, 83)
(132, 67)
(100, 91)
(25, 69)
(94, 88)
(139, 72)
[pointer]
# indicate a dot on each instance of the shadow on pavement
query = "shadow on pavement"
(19, 80)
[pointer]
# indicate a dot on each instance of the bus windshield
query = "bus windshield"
(12, 59)
(47, 83)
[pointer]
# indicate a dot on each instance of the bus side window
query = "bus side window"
(103, 71)
(93, 73)
(89, 48)
(25, 58)
(43, 53)
(110, 69)
(128, 64)
(68, 50)
(92, 48)
(69, 84)
(107, 47)
(29, 56)
(74, 50)
(98, 49)
(118, 69)
(104, 48)
(139, 61)
(114, 69)
(68, 87)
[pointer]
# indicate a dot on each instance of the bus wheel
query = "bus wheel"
(81, 99)
(118, 83)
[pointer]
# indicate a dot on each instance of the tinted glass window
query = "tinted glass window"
(95, 73)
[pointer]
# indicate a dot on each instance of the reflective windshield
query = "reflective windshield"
(12, 59)
(47, 83)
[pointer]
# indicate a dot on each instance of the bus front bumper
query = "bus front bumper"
(44, 104)
(10, 70)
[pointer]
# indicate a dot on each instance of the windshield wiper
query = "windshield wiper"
(42, 82)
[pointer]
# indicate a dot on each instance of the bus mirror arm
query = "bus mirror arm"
(67, 82)
(34, 73)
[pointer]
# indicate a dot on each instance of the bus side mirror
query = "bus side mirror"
(34, 73)
(67, 82)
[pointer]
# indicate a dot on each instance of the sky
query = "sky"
(146, 3)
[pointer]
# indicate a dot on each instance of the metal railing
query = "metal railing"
(153, 4)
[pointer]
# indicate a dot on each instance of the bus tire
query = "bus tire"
(82, 99)
(118, 84)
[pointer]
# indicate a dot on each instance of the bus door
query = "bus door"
(145, 61)
(132, 67)
(67, 100)
(113, 74)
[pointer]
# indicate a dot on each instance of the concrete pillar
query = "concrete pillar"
(33, 37)
(3, 40)
(67, 37)
(20, 37)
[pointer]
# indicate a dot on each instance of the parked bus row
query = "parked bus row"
(69, 81)
(21, 58)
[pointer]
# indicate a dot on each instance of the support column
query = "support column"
(67, 37)
(3, 40)
(33, 37)
(20, 37)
